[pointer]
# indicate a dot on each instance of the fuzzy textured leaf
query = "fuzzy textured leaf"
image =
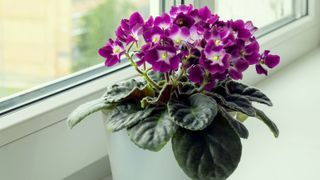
(235, 103)
(125, 115)
(153, 131)
(162, 98)
(264, 118)
(186, 88)
(250, 93)
(132, 89)
(85, 110)
(210, 154)
(238, 127)
(156, 76)
(194, 113)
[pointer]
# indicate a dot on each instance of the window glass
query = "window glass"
(262, 12)
(41, 40)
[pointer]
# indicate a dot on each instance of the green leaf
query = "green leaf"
(238, 127)
(194, 113)
(210, 154)
(162, 98)
(153, 131)
(250, 93)
(264, 118)
(132, 89)
(85, 110)
(156, 76)
(235, 103)
(241, 117)
(186, 88)
(125, 115)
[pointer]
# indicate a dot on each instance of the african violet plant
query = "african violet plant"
(188, 62)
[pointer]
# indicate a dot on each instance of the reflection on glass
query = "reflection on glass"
(41, 40)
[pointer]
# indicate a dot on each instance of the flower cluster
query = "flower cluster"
(192, 41)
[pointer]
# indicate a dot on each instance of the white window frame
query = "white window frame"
(285, 41)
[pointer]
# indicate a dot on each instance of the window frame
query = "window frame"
(47, 111)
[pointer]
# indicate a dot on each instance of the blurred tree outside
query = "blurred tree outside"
(99, 24)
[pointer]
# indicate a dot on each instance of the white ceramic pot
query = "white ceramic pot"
(129, 162)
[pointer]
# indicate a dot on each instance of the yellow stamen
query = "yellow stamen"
(178, 41)
(155, 39)
(164, 56)
(217, 42)
(242, 53)
(116, 50)
(216, 58)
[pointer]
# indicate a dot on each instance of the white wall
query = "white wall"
(295, 155)
(56, 152)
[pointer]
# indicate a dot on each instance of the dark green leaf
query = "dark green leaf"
(238, 127)
(132, 89)
(156, 76)
(186, 89)
(154, 131)
(162, 98)
(272, 126)
(210, 154)
(194, 113)
(125, 115)
(250, 93)
(85, 110)
(235, 103)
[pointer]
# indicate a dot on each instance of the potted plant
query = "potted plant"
(186, 93)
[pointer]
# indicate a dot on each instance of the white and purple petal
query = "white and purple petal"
(163, 21)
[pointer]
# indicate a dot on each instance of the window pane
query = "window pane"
(262, 12)
(41, 40)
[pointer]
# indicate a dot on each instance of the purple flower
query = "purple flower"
(249, 25)
(112, 52)
(220, 36)
(204, 13)
(179, 35)
(135, 19)
(162, 58)
(136, 24)
(196, 34)
(174, 11)
(261, 70)
(193, 39)
(242, 30)
(123, 30)
(154, 34)
(183, 20)
(269, 60)
(163, 21)
(251, 52)
(141, 54)
(196, 74)
(214, 58)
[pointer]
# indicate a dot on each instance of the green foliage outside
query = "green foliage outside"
(99, 25)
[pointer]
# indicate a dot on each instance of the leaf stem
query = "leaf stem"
(134, 64)
(150, 81)
(205, 81)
